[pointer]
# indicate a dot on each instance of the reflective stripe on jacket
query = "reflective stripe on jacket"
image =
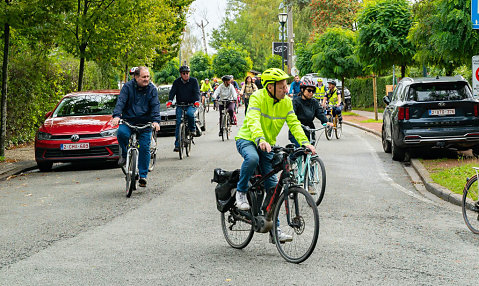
(320, 91)
(333, 96)
(265, 119)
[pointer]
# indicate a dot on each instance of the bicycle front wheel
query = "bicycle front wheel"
(297, 216)
(470, 205)
(238, 231)
(181, 140)
(153, 148)
(228, 127)
(131, 173)
(315, 180)
(328, 132)
(223, 128)
(339, 128)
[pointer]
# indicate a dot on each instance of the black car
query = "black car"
(430, 112)
(168, 115)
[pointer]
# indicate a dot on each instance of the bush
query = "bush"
(362, 91)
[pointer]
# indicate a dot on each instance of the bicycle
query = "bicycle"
(470, 203)
(289, 205)
(130, 169)
(225, 120)
(153, 150)
(337, 126)
(206, 104)
(309, 171)
(185, 137)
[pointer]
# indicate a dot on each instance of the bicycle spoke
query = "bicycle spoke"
(470, 205)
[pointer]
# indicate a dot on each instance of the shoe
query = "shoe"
(177, 149)
(142, 182)
(283, 237)
(220, 134)
(242, 201)
(121, 161)
(311, 190)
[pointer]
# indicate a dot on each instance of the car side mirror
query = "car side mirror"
(387, 100)
(49, 113)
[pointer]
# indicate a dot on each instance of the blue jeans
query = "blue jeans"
(252, 157)
(144, 139)
(190, 114)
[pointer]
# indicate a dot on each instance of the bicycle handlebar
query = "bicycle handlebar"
(147, 125)
(315, 129)
(184, 104)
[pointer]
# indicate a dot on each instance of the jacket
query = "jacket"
(185, 92)
(225, 93)
(295, 87)
(307, 110)
(138, 105)
(264, 119)
(332, 96)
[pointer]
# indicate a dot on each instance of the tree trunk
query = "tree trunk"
(81, 71)
(3, 122)
(403, 71)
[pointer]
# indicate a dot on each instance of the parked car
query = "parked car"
(168, 115)
(347, 97)
(78, 128)
(430, 112)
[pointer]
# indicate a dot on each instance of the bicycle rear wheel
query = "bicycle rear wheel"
(131, 173)
(315, 179)
(181, 140)
(238, 231)
(297, 216)
(470, 205)
(153, 148)
(339, 128)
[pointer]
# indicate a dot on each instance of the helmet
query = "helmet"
(273, 75)
(226, 78)
(307, 82)
(184, 69)
(132, 70)
(207, 79)
(332, 82)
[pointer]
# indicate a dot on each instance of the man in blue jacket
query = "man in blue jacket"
(294, 89)
(137, 104)
(187, 92)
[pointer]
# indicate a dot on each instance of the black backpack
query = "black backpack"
(225, 190)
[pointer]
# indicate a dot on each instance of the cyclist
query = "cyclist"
(225, 91)
(267, 112)
(205, 90)
(137, 104)
(321, 89)
(294, 89)
(334, 98)
(187, 91)
(307, 109)
(247, 90)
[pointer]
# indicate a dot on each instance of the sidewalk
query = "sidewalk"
(17, 160)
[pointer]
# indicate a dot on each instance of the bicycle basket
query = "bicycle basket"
(225, 190)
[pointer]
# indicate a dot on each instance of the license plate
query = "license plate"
(441, 112)
(163, 123)
(77, 146)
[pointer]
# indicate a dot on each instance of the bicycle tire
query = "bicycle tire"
(153, 151)
(223, 127)
(181, 139)
(131, 173)
(328, 132)
(228, 127)
(299, 204)
(339, 128)
(316, 174)
(470, 205)
(207, 102)
(237, 232)
(188, 140)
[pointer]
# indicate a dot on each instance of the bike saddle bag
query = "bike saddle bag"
(225, 190)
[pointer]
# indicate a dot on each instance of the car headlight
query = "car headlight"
(109, 133)
(44, 135)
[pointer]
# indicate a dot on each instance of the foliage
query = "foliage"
(274, 61)
(231, 60)
(303, 59)
(333, 54)
(383, 28)
(454, 178)
(200, 65)
(443, 35)
(334, 13)
(168, 74)
(362, 91)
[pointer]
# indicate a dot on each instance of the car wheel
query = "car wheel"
(45, 166)
(397, 152)
(385, 142)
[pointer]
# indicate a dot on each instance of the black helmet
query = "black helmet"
(226, 78)
(184, 69)
(332, 82)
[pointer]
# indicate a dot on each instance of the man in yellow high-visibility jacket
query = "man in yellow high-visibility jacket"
(320, 90)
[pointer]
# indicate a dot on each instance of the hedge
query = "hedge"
(362, 91)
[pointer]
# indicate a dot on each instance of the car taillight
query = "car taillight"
(476, 112)
(403, 113)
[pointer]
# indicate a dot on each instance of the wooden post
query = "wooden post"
(375, 96)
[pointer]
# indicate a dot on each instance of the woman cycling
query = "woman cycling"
(248, 88)
(307, 108)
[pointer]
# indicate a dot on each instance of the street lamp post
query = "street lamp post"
(282, 17)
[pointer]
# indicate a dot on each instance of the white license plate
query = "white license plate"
(163, 123)
(440, 112)
(77, 146)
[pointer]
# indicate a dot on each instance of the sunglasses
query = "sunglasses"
(310, 90)
(185, 72)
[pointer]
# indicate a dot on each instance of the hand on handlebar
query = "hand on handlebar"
(197, 104)
(311, 147)
(115, 121)
(156, 126)
(264, 146)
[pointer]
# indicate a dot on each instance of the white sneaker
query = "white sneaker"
(283, 237)
(242, 201)
(311, 190)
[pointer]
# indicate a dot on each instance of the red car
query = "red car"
(78, 128)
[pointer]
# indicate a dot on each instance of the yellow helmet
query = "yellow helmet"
(273, 75)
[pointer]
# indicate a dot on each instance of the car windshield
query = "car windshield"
(98, 104)
(439, 91)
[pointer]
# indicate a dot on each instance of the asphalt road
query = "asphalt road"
(74, 225)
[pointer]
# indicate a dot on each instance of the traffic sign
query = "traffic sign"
(475, 75)
(475, 14)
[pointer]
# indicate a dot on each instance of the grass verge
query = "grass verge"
(372, 121)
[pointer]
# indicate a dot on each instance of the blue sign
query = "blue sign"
(475, 14)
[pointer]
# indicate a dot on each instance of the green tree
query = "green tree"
(334, 13)
(383, 29)
(334, 54)
(274, 61)
(200, 65)
(168, 74)
(232, 60)
(304, 61)
(442, 33)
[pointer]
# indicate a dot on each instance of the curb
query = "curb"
(429, 184)
(13, 169)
